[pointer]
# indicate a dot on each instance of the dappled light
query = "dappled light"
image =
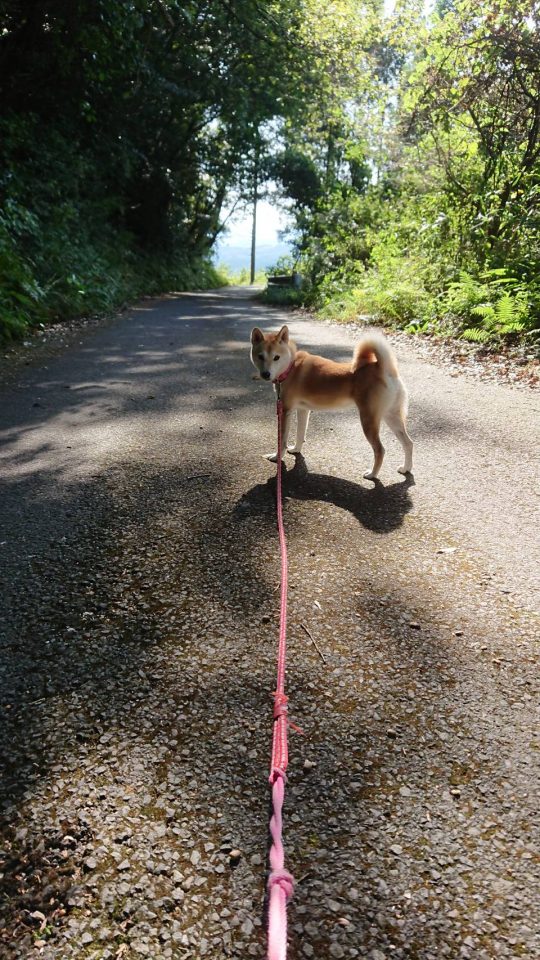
(156, 553)
(139, 535)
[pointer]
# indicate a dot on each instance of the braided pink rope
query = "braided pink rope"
(280, 882)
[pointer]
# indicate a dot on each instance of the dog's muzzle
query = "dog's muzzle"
(265, 374)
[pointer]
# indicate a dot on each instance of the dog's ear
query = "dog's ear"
(283, 335)
(257, 336)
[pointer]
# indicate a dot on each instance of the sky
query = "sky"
(270, 220)
(233, 248)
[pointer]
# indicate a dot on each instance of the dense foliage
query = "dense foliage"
(408, 145)
(123, 125)
(419, 201)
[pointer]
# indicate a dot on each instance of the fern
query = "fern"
(483, 310)
(501, 319)
(476, 334)
(514, 326)
(506, 309)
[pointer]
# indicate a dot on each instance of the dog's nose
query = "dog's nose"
(265, 374)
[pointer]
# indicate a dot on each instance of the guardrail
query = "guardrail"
(286, 280)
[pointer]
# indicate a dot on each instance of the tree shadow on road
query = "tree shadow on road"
(380, 509)
(116, 662)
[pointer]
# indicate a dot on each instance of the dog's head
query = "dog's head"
(271, 353)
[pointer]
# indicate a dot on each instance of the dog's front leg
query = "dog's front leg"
(285, 427)
(302, 417)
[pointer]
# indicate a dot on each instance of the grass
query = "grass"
(97, 285)
(282, 296)
(493, 309)
(240, 278)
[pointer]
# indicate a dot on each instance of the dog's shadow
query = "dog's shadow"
(379, 508)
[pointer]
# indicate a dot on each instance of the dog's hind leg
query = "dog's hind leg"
(396, 421)
(302, 420)
(370, 424)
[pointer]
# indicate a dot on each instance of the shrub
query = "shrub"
(494, 307)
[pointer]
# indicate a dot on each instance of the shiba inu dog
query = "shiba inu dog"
(307, 382)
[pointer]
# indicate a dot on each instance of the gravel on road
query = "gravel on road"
(140, 569)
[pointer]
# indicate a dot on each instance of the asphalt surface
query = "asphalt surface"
(139, 584)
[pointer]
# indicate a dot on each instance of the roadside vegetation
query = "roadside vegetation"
(407, 144)
(417, 203)
(123, 127)
(242, 277)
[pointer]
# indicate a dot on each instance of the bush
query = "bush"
(493, 307)
(64, 252)
(406, 257)
(282, 296)
(417, 293)
(74, 277)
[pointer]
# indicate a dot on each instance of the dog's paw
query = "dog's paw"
(370, 475)
(404, 470)
(294, 449)
(272, 457)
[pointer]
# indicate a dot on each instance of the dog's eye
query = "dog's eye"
(276, 358)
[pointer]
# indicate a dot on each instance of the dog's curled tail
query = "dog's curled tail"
(375, 347)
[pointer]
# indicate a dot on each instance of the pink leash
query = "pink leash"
(280, 881)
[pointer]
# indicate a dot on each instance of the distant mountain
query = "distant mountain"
(235, 258)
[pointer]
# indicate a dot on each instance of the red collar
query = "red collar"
(283, 376)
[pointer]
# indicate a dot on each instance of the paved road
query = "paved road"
(139, 568)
